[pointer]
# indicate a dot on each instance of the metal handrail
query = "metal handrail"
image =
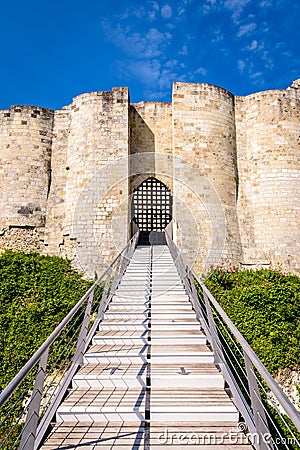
(32, 433)
(254, 414)
(12, 386)
(281, 396)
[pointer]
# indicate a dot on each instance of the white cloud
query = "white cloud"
(148, 71)
(139, 12)
(200, 71)
(268, 60)
(288, 54)
(246, 29)
(170, 26)
(218, 36)
(237, 7)
(208, 6)
(141, 46)
(266, 3)
(152, 15)
(241, 65)
(235, 4)
(171, 63)
(255, 75)
(166, 79)
(145, 46)
(183, 51)
(166, 11)
(253, 46)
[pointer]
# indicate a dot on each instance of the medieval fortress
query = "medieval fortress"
(230, 163)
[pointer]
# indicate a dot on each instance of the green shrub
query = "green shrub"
(265, 307)
(36, 292)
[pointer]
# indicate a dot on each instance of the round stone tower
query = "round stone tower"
(268, 125)
(25, 167)
(204, 136)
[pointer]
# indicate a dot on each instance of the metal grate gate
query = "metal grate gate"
(152, 203)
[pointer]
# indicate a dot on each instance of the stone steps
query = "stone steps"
(105, 354)
(103, 405)
(180, 354)
(120, 376)
(147, 372)
(158, 436)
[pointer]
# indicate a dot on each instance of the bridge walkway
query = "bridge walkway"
(149, 380)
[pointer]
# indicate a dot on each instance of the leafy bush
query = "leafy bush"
(265, 307)
(36, 292)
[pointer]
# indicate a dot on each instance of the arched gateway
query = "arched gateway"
(152, 210)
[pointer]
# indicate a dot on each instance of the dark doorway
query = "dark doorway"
(152, 211)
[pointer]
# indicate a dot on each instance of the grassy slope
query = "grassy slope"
(265, 306)
(36, 292)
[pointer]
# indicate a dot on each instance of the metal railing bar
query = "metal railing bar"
(28, 435)
(239, 400)
(237, 361)
(74, 366)
(257, 406)
(58, 342)
(15, 424)
(91, 333)
(282, 398)
(184, 271)
(62, 352)
(54, 393)
(282, 416)
(26, 425)
(60, 368)
(237, 375)
(37, 355)
(230, 337)
(55, 403)
(13, 407)
(271, 421)
(6, 393)
(274, 423)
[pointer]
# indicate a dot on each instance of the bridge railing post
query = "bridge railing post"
(49, 372)
(116, 278)
(259, 415)
(29, 431)
(78, 356)
(102, 304)
(215, 340)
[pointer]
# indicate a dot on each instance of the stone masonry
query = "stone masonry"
(231, 163)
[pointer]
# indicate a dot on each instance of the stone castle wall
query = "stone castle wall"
(268, 137)
(232, 164)
(89, 135)
(151, 134)
(204, 136)
(25, 172)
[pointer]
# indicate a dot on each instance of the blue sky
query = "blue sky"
(53, 50)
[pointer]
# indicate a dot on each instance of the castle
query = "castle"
(75, 182)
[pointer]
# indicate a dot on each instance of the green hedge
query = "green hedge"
(36, 292)
(265, 307)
